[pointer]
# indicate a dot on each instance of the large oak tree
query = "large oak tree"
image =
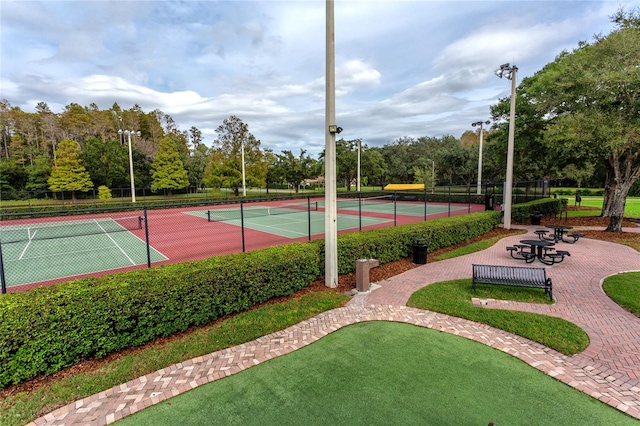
(591, 98)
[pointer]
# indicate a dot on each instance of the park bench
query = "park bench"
(516, 276)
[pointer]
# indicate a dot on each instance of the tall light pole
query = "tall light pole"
(128, 133)
(510, 73)
(433, 173)
(358, 180)
(244, 184)
(480, 123)
(330, 205)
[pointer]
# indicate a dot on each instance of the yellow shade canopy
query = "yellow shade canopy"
(403, 186)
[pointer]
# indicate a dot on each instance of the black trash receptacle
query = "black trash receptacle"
(535, 218)
(420, 252)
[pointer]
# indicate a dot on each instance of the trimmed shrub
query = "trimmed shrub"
(50, 328)
(522, 211)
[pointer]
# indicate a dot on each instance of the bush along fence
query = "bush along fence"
(38, 248)
(50, 328)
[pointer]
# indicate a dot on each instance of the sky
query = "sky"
(403, 68)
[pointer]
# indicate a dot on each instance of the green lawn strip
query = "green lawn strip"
(631, 207)
(583, 213)
(21, 408)
(379, 373)
(475, 247)
(624, 289)
(454, 298)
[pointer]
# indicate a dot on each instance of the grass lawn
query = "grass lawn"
(625, 290)
(454, 298)
(385, 373)
(631, 208)
(22, 407)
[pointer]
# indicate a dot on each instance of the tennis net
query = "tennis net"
(236, 213)
(67, 229)
(347, 203)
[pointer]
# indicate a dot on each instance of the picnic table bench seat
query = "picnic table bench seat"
(516, 276)
(576, 236)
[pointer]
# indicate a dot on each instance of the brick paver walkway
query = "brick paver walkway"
(609, 369)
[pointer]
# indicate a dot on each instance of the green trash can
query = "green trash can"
(420, 252)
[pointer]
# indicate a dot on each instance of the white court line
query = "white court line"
(48, 255)
(114, 242)
(28, 244)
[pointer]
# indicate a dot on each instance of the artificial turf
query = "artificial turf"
(385, 373)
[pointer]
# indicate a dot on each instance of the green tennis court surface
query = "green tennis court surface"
(385, 204)
(70, 248)
(290, 222)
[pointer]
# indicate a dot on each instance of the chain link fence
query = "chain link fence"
(38, 248)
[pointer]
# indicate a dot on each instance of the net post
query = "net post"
(208, 215)
(3, 281)
(146, 236)
(449, 214)
(242, 223)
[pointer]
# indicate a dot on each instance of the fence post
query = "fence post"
(146, 236)
(360, 210)
(3, 282)
(395, 216)
(425, 203)
(242, 223)
(309, 214)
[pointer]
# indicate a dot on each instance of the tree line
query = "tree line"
(85, 147)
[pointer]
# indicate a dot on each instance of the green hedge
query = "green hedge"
(50, 328)
(521, 212)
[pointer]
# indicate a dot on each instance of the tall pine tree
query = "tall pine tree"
(167, 170)
(69, 174)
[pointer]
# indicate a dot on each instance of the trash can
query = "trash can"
(489, 201)
(420, 252)
(535, 218)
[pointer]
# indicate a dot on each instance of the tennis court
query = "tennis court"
(45, 251)
(389, 204)
(292, 221)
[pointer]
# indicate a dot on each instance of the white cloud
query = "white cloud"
(417, 68)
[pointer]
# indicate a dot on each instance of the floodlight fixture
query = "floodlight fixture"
(506, 70)
(333, 129)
